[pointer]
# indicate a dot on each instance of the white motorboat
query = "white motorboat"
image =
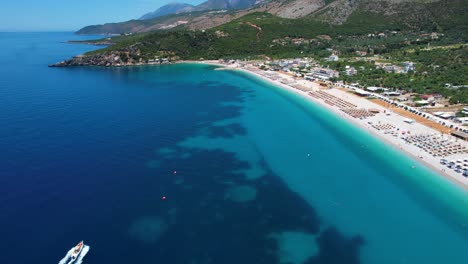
(76, 254)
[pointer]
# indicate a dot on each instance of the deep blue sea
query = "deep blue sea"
(250, 173)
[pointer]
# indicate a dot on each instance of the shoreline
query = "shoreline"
(404, 148)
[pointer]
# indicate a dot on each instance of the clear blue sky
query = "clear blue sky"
(69, 15)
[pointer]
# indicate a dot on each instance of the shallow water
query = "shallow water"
(88, 154)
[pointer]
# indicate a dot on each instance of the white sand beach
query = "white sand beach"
(415, 139)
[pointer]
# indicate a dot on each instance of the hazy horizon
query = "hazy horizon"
(53, 15)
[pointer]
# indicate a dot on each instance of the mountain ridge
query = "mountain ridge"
(333, 12)
(209, 5)
(171, 8)
(208, 14)
(435, 14)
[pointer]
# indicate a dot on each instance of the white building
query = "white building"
(350, 70)
(303, 64)
(391, 93)
(376, 89)
(421, 102)
(463, 120)
(445, 115)
(408, 66)
(333, 57)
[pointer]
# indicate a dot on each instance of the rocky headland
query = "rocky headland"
(129, 56)
(95, 43)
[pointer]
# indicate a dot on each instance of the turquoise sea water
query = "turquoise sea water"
(250, 173)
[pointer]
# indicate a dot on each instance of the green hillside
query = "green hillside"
(432, 35)
(262, 34)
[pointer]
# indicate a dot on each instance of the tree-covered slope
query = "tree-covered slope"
(261, 33)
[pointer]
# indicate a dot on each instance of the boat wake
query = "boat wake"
(79, 260)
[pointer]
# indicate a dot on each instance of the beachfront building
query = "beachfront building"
(376, 89)
(460, 134)
(153, 61)
(362, 93)
(445, 115)
(462, 120)
(391, 93)
(325, 73)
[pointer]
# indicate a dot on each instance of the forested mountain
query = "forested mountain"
(433, 34)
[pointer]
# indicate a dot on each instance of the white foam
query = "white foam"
(79, 260)
(67, 256)
(85, 250)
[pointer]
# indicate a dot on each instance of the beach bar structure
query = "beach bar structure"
(362, 93)
(460, 134)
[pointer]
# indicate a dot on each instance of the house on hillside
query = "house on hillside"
(393, 68)
(408, 66)
(298, 41)
(388, 68)
(350, 70)
(437, 96)
(333, 57)
(325, 73)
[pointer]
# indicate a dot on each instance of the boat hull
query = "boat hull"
(79, 258)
